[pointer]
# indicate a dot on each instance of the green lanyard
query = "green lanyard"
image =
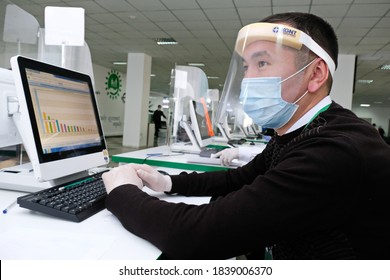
(323, 109)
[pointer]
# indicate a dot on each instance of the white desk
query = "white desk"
(162, 156)
(27, 235)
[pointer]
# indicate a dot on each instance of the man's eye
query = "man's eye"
(245, 68)
(262, 64)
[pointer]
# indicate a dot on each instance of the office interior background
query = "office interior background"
(204, 32)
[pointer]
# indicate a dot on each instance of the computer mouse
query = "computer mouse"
(252, 143)
(163, 172)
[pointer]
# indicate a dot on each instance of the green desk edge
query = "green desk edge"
(168, 164)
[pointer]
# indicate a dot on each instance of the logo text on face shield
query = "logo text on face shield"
(285, 30)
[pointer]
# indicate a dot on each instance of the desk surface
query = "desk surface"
(162, 156)
(26, 234)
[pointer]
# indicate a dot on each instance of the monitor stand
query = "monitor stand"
(191, 147)
(21, 178)
(223, 138)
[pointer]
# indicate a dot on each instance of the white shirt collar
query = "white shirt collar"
(310, 114)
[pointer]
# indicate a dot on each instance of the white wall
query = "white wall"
(110, 100)
(342, 88)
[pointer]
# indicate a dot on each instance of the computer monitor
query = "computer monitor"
(59, 120)
(248, 131)
(9, 135)
(255, 128)
(223, 131)
(201, 122)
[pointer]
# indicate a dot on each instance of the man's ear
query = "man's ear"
(319, 76)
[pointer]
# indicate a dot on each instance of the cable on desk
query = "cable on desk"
(160, 155)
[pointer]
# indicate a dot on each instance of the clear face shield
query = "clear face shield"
(265, 76)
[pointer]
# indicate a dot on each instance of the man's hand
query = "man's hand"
(227, 155)
(121, 175)
(152, 178)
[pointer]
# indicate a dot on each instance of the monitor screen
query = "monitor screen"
(59, 116)
(9, 135)
(201, 122)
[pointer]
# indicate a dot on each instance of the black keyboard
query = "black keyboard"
(74, 201)
(236, 141)
(207, 152)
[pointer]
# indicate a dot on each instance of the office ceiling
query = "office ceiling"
(206, 31)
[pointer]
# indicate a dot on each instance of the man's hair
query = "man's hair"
(317, 28)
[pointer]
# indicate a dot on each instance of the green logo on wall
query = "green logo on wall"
(113, 84)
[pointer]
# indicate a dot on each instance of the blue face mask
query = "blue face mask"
(262, 101)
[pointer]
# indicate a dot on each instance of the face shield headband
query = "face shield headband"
(230, 108)
(280, 34)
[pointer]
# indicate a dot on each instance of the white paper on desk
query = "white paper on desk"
(29, 243)
(195, 200)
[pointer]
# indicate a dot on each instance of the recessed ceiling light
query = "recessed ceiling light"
(119, 63)
(365, 105)
(212, 77)
(365, 81)
(195, 64)
(166, 41)
(385, 67)
(152, 75)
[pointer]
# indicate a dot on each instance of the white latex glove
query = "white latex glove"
(124, 174)
(152, 178)
(227, 155)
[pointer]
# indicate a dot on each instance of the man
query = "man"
(316, 190)
(157, 120)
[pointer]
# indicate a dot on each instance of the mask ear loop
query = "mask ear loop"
(303, 95)
(303, 68)
(299, 71)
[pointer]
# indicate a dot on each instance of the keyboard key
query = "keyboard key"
(75, 201)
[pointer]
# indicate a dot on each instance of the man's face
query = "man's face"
(267, 59)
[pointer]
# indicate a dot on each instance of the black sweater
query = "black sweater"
(320, 192)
